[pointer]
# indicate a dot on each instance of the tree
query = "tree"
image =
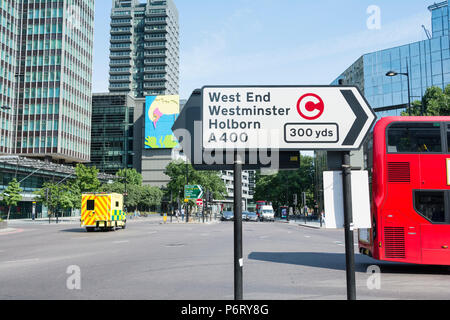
(131, 176)
(12, 195)
(86, 179)
(150, 197)
(280, 188)
(58, 196)
(209, 180)
(435, 102)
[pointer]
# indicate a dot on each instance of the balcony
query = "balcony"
(154, 85)
(155, 69)
(154, 37)
(121, 31)
(120, 63)
(155, 28)
(157, 53)
(148, 62)
(124, 48)
(121, 79)
(117, 72)
(121, 22)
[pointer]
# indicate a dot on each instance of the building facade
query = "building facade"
(144, 52)
(112, 140)
(46, 76)
(427, 61)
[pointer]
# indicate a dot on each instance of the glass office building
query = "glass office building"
(144, 52)
(47, 78)
(9, 38)
(112, 132)
(428, 63)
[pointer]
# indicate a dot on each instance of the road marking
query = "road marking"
(153, 232)
(12, 232)
(22, 261)
(119, 242)
(307, 236)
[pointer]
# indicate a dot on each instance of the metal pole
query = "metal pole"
(187, 182)
(409, 88)
(238, 259)
(348, 221)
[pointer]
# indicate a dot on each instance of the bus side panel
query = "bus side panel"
(435, 244)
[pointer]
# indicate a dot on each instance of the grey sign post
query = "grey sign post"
(230, 128)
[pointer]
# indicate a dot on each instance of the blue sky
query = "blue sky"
(273, 42)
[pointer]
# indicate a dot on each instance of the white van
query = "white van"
(267, 213)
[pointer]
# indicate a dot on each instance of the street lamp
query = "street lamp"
(394, 74)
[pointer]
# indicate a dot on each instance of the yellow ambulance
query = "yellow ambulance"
(102, 211)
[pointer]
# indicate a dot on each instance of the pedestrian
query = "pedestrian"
(177, 214)
(182, 214)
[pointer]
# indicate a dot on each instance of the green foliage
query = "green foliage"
(138, 196)
(131, 176)
(86, 179)
(12, 195)
(280, 188)
(435, 102)
(150, 196)
(209, 180)
(59, 196)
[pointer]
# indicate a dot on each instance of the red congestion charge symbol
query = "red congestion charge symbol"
(310, 106)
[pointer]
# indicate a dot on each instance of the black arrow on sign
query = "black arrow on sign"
(361, 117)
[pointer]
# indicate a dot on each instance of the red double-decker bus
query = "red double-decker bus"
(410, 191)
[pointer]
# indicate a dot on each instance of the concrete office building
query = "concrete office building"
(144, 57)
(46, 75)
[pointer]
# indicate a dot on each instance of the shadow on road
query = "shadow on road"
(336, 261)
(75, 230)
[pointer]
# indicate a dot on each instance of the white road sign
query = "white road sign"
(285, 118)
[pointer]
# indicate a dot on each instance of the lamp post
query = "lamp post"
(394, 74)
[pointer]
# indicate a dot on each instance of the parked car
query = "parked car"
(252, 216)
(267, 213)
(227, 216)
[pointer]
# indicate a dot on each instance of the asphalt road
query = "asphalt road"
(149, 260)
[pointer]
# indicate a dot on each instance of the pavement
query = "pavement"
(302, 223)
(149, 260)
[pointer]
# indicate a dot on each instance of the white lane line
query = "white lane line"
(119, 242)
(153, 232)
(307, 236)
(22, 261)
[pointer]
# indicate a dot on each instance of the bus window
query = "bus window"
(90, 205)
(448, 138)
(414, 138)
(431, 205)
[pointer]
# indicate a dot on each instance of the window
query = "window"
(431, 205)
(448, 138)
(90, 205)
(414, 138)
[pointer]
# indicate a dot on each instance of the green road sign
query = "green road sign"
(193, 192)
